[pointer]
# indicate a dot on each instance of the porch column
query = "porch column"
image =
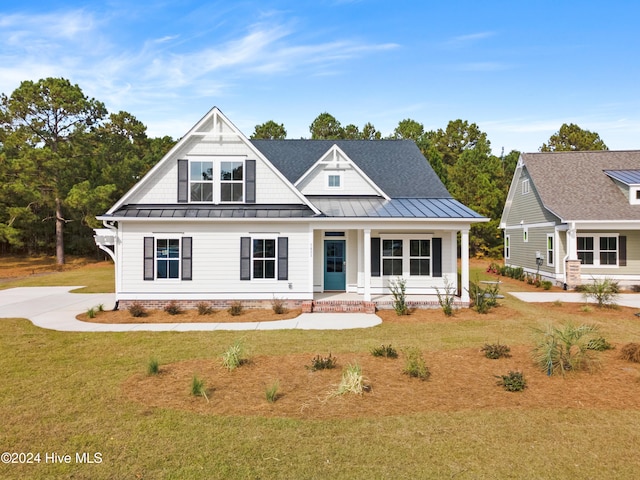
(464, 265)
(367, 264)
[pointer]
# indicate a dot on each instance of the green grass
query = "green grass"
(61, 392)
(94, 279)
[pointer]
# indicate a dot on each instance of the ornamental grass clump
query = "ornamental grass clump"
(630, 352)
(198, 389)
(233, 357)
(352, 381)
(271, 392)
(322, 363)
(384, 351)
(153, 367)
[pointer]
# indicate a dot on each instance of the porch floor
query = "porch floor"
(382, 301)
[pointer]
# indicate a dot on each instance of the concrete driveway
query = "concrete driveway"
(55, 308)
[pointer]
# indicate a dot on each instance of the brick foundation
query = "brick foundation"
(215, 304)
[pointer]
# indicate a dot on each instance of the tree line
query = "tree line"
(65, 159)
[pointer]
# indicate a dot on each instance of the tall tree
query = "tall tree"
(326, 127)
(269, 130)
(44, 121)
(460, 135)
(573, 138)
(408, 129)
(369, 132)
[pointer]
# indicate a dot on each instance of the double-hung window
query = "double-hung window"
(419, 257)
(264, 258)
(507, 246)
(168, 258)
(550, 249)
(608, 250)
(392, 257)
(231, 181)
(598, 250)
(585, 250)
(201, 181)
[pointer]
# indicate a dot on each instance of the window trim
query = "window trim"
(406, 254)
(329, 175)
(264, 259)
(596, 248)
(156, 259)
(552, 250)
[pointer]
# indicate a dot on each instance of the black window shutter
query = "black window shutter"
(436, 253)
(245, 258)
(183, 181)
(187, 244)
(622, 251)
(375, 256)
(148, 258)
(250, 181)
(283, 258)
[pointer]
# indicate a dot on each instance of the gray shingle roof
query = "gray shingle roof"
(396, 166)
(574, 185)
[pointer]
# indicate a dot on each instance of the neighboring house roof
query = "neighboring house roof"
(574, 186)
(628, 177)
(396, 166)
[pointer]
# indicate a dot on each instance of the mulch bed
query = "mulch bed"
(460, 380)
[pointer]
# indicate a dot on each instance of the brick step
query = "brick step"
(342, 306)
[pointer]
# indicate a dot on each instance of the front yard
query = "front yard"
(71, 393)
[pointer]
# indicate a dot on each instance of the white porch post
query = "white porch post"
(367, 264)
(464, 265)
(572, 242)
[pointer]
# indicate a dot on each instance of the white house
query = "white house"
(222, 218)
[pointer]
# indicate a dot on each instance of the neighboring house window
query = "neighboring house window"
(201, 181)
(167, 258)
(420, 257)
(334, 180)
(550, 250)
(608, 250)
(525, 187)
(392, 257)
(231, 181)
(585, 250)
(264, 258)
(507, 246)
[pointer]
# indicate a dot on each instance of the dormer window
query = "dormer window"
(231, 181)
(334, 181)
(201, 181)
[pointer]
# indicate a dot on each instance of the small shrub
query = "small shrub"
(446, 299)
(236, 309)
(494, 268)
(279, 306)
(322, 363)
(153, 367)
(495, 351)
(604, 292)
(586, 309)
(352, 381)
(233, 357)
(483, 299)
(635, 288)
(599, 344)
(204, 308)
(415, 365)
(631, 352)
(384, 351)
(137, 310)
(513, 382)
(398, 289)
(562, 349)
(557, 303)
(198, 389)
(271, 392)
(546, 284)
(173, 308)
(100, 307)
(91, 313)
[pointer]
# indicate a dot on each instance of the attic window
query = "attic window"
(525, 187)
(334, 181)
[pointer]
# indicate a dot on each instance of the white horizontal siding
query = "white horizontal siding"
(216, 259)
(352, 182)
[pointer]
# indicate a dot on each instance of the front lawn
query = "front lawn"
(68, 393)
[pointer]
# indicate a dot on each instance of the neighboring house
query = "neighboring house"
(575, 216)
(223, 218)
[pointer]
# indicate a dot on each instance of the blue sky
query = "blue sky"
(517, 69)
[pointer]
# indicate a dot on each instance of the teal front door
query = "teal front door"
(334, 265)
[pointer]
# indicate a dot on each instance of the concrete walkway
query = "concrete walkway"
(55, 308)
(624, 299)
